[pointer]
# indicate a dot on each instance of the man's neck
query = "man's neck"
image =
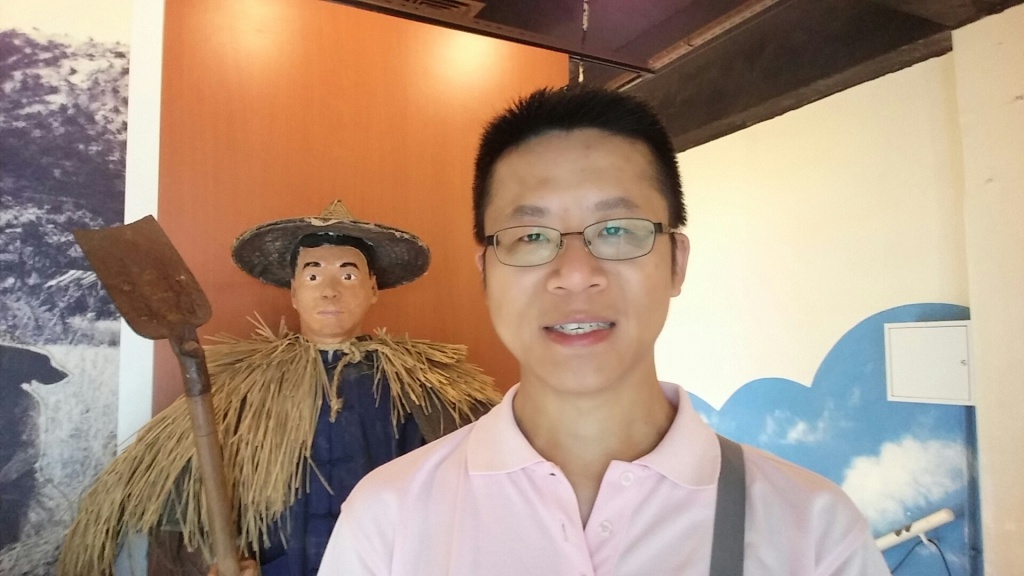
(583, 432)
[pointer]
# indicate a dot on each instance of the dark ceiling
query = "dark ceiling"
(711, 67)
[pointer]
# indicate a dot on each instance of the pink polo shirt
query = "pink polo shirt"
(482, 502)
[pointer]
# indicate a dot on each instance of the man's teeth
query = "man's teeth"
(576, 328)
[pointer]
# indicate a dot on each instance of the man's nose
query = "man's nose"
(575, 269)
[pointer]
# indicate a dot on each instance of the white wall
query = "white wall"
(142, 170)
(989, 64)
(804, 225)
(903, 190)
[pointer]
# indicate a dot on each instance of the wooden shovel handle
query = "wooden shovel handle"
(208, 451)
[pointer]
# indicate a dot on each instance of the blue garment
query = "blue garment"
(360, 439)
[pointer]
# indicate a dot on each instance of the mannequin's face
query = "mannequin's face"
(332, 290)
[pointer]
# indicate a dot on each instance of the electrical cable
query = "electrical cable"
(914, 547)
(941, 555)
(905, 556)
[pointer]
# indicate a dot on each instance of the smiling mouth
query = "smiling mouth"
(579, 328)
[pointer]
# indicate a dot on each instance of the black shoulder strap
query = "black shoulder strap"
(730, 512)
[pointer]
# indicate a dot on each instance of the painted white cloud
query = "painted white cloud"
(783, 427)
(905, 474)
(855, 397)
(804, 433)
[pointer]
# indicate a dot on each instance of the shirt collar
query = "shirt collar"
(688, 454)
(497, 445)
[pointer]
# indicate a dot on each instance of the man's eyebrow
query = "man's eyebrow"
(349, 265)
(311, 264)
(529, 211)
(606, 205)
(617, 203)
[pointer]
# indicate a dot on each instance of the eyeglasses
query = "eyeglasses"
(621, 239)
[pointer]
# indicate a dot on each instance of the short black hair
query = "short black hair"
(565, 109)
(330, 239)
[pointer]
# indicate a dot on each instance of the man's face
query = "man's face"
(332, 290)
(580, 323)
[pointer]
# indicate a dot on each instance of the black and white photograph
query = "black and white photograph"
(63, 123)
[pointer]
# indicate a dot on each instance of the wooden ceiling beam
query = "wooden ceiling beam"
(950, 13)
(793, 55)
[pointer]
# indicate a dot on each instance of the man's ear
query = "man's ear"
(291, 292)
(373, 289)
(481, 264)
(681, 246)
(481, 251)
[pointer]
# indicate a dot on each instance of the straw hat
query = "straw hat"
(265, 250)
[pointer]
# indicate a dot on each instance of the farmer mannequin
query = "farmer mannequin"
(303, 417)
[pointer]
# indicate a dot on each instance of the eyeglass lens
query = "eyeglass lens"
(621, 239)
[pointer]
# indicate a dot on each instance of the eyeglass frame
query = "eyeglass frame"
(490, 241)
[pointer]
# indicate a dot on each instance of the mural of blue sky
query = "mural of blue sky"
(898, 461)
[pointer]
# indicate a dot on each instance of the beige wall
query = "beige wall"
(989, 58)
(805, 225)
(907, 189)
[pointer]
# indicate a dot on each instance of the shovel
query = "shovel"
(158, 296)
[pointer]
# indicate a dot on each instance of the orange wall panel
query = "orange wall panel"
(273, 108)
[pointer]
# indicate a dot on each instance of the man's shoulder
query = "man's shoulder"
(786, 500)
(779, 472)
(779, 487)
(770, 475)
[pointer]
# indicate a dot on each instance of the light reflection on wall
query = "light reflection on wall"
(257, 34)
(462, 57)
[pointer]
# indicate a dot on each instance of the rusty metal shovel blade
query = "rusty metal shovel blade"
(146, 277)
(160, 299)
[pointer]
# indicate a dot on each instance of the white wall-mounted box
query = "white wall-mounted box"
(929, 362)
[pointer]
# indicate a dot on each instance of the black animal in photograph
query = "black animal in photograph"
(19, 442)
